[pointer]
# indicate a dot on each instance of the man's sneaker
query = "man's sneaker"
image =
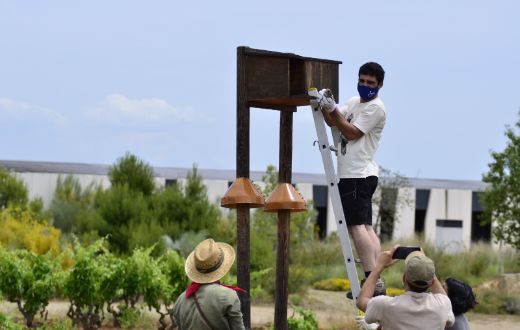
(379, 290)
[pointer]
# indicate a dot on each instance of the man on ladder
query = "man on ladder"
(356, 131)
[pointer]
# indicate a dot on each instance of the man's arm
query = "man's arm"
(437, 287)
(327, 118)
(367, 290)
(348, 130)
(234, 316)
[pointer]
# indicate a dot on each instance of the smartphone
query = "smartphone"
(403, 251)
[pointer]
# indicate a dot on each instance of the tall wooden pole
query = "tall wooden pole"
(243, 235)
(284, 219)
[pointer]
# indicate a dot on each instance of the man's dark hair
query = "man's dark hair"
(373, 69)
(461, 296)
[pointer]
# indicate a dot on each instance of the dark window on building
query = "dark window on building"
(479, 231)
(387, 212)
(229, 183)
(170, 182)
(320, 197)
(421, 205)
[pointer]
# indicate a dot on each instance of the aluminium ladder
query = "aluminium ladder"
(332, 182)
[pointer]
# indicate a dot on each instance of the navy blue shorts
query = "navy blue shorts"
(356, 199)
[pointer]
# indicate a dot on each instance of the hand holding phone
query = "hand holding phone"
(403, 251)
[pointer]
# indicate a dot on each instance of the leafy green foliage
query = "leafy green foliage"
(264, 237)
(7, 323)
(122, 209)
(172, 266)
(501, 199)
(28, 280)
(89, 284)
(135, 173)
(12, 190)
(57, 324)
(302, 320)
(72, 208)
(390, 201)
(185, 208)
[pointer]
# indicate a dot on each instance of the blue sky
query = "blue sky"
(87, 81)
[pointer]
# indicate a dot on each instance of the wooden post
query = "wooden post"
(243, 235)
(284, 221)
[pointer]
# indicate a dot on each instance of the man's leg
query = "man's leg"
(365, 247)
(374, 239)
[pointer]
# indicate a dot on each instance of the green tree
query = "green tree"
(264, 227)
(72, 208)
(12, 190)
(501, 200)
(183, 208)
(390, 202)
(123, 210)
(134, 172)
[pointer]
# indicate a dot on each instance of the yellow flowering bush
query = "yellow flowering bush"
(333, 284)
(392, 292)
(21, 229)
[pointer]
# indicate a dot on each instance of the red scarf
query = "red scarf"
(194, 286)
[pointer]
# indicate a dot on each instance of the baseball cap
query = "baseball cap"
(419, 269)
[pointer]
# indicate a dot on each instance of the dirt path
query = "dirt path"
(331, 309)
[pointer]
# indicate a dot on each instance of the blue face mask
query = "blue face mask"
(366, 93)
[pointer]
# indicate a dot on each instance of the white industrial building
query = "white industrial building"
(445, 212)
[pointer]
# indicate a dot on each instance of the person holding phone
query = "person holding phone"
(416, 308)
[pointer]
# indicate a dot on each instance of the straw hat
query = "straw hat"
(210, 261)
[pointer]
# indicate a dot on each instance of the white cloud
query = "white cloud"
(17, 110)
(119, 109)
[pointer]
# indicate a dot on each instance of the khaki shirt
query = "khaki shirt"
(219, 304)
(411, 310)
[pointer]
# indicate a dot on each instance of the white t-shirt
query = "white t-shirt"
(370, 118)
(411, 310)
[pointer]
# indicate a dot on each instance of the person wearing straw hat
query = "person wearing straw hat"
(207, 303)
(416, 308)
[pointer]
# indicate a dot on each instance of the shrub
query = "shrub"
(22, 229)
(302, 320)
(333, 284)
(299, 278)
(392, 292)
(65, 324)
(12, 190)
(7, 323)
(172, 266)
(28, 280)
(88, 284)
(185, 208)
(72, 208)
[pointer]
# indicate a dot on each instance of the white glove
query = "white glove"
(361, 324)
(326, 100)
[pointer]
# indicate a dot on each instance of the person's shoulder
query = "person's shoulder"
(376, 104)
(381, 300)
(441, 298)
(224, 291)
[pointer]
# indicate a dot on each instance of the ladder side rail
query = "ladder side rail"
(336, 201)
